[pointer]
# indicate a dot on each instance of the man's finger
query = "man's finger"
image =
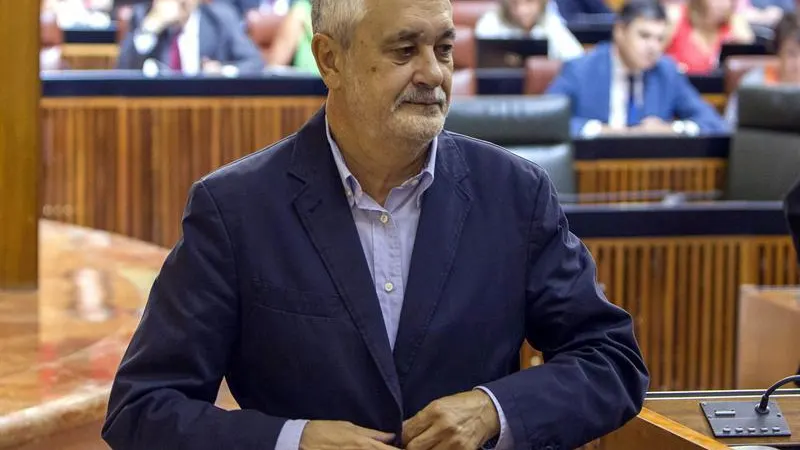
(373, 434)
(415, 426)
(426, 440)
(378, 445)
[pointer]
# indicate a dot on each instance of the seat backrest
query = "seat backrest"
(539, 73)
(467, 12)
(464, 49)
(737, 66)
(764, 159)
(535, 128)
(262, 29)
(465, 83)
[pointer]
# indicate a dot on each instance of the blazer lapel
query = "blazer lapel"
(652, 95)
(208, 35)
(602, 85)
(445, 206)
(326, 217)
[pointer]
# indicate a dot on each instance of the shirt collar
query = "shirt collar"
(352, 188)
(618, 69)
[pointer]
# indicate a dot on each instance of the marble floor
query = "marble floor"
(60, 346)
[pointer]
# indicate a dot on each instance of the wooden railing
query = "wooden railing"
(125, 165)
(697, 175)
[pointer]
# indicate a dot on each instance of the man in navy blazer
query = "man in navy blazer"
(628, 86)
(368, 282)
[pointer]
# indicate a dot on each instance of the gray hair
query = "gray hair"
(337, 18)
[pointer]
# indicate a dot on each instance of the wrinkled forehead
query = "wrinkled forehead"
(425, 20)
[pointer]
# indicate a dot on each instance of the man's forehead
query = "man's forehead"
(408, 13)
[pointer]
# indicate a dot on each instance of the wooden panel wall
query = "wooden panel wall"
(89, 56)
(19, 141)
(626, 177)
(125, 165)
(682, 293)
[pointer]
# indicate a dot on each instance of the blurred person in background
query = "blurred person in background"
(80, 13)
(787, 71)
(537, 19)
(629, 87)
(292, 45)
(244, 7)
(698, 28)
(190, 37)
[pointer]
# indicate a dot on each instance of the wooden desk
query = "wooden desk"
(685, 409)
(60, 346)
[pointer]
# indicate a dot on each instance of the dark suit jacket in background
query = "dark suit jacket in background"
(269, 287)
(668, 94)
(242, 6)
(221, 39)
(572, 10)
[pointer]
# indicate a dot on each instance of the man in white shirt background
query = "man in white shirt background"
(189, 37)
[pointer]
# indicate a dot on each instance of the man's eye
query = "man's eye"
(445, 49)
(405, 52)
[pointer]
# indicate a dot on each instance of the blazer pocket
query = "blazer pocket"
(302, 303)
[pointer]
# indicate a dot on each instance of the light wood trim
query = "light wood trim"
(652, 431)
(629, 176)
(90, 56)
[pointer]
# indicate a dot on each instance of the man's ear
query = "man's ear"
(330, 58)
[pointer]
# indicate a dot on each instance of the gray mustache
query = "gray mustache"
(435, 96)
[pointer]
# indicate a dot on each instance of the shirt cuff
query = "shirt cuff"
(591, 128)
(505, 441)
(289, 437)
(144, 42)
(230, 71)
(686, 128)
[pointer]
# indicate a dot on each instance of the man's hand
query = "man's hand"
(163, 14)
(462, 421)
(211, 67)
(653, 125)
(332, 435)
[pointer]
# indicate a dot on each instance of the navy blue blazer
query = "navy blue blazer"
(269, 287)
(668, 94)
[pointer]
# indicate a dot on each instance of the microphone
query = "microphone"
(739, 418)
(763, 405)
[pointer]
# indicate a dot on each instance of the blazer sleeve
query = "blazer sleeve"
(129, 58)
(689, 105)
(567, 83)
(241, 50)
(164, 391)
(594, 379)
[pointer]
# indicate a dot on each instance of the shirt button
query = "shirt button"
(349, 193)
(414, 182)
(388, 287)
(384, 218)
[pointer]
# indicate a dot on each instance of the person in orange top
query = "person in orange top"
(784, 70)
(698, 28)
